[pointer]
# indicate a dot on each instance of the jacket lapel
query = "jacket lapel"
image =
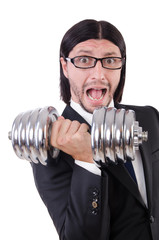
(123, 176)
(70, 113)
(147, 164)
(146, 155)
(120, 172)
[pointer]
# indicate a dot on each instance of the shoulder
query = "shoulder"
(142, 111)
(138, 108)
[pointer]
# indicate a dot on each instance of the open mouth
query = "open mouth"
(96, 94)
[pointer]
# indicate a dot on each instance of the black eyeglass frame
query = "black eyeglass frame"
(96, 60)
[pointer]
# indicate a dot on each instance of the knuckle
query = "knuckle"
(67, 121)
(84, 126)
(75, 122)
(59, 141)
(79, 137)
(63, 140)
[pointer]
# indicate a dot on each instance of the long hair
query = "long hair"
(85, 30)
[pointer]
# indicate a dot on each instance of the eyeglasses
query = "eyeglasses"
(85, 62)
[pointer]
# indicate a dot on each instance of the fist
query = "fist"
(72, 138)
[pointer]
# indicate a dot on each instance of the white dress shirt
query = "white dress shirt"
(137, 163)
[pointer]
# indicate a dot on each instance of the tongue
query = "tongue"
(96, 94)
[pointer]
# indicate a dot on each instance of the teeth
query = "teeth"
(95, 99)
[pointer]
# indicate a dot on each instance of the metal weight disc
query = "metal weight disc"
(14, 136)
(118, 134)
(30, 135)
(97, 135)
(44, 121)
(22, 136)
(109, 138)
(129, 151)
(52, 117)
(40, 135)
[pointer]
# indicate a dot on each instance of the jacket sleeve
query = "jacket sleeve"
(72, 196)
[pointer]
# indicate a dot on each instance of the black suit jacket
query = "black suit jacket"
(78, 200)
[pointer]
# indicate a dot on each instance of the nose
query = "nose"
(98, 72)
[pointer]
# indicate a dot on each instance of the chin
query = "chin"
(90, 109)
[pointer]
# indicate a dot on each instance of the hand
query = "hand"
(72, 138)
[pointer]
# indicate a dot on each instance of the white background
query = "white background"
(30, 35)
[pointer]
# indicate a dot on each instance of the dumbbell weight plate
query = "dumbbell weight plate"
(41, 129)
(109, 138)
(129, 151)
(14, 136)
(52, 117)
(97, 135)
(30, 135)
(45, 118)
(118, 134)
(22, 136)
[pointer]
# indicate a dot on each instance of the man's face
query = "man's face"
(93, 87)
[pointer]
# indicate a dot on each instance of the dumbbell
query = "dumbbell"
(115, 135)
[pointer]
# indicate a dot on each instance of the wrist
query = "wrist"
(85, 158)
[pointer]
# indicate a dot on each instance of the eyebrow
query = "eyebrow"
(110, 53)
(84, 51)
(90, 52)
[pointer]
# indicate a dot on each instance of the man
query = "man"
(85, 202)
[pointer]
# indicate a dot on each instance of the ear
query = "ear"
(64, 66)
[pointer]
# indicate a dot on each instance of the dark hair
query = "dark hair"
(82, 31)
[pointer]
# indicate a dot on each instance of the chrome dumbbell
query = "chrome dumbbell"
(114, 135)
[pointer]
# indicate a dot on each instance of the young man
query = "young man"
(85, 202)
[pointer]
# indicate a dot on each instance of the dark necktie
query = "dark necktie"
(130, 169)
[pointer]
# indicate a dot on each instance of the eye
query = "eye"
(110, 61)
(84, 60)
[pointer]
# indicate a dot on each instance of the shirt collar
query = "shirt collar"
(86, 115)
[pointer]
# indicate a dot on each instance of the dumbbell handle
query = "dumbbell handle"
(115, 135)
